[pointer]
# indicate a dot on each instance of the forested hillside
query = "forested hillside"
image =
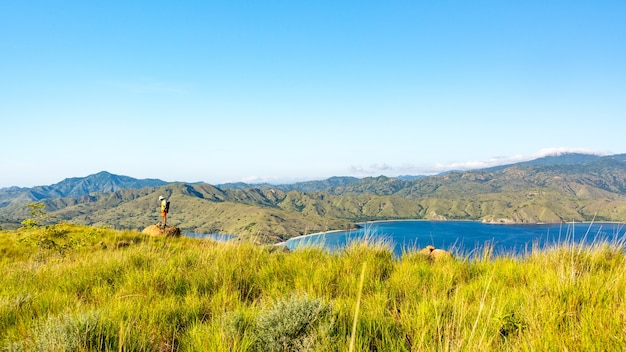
(543, 190)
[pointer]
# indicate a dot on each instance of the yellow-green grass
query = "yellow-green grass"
(75, 288)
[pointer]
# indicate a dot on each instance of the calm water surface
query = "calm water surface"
(214, 236)
(467, 237)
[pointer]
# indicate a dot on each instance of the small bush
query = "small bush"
(85, 331)
(294, 324)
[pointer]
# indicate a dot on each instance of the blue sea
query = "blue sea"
(214, 236)
(467, 237)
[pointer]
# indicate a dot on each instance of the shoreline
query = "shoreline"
(360, 225)
(314, 234)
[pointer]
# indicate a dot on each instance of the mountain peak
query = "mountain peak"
(102, 181)
(102, 173)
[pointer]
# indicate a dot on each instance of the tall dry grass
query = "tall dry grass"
(73, 288)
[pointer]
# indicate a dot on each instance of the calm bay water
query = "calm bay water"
(214, 236)
(467, 237)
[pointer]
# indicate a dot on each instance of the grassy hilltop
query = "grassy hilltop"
(77, 288)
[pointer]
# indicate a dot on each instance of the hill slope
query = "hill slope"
(75, 187)
(549, 190)
(307, 186)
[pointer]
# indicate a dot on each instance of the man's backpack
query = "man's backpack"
(167, 206)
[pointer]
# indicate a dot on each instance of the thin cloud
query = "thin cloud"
(252, 179)
(482, 164)
(382, 166)
(356, 168)
(564, 150)
(374, 169)
(275, 180)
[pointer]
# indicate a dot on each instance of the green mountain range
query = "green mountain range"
(571, 187)
(75, 187)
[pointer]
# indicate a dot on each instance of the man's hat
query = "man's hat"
(161, 197)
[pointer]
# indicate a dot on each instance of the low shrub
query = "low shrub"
(294, 324)
(86, 331)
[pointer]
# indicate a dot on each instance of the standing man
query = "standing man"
(165, 205)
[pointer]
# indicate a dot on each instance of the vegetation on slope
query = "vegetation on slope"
(75, 288)
(273, 216)
(579, 188)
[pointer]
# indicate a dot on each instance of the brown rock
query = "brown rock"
(436, 254)
(158, 230)
(440, 254)
(427, 250)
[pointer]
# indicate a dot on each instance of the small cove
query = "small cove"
(466, 237)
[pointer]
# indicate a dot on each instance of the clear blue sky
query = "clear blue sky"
(283, 91)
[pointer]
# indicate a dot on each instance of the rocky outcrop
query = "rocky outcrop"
(158, 230)
(436, 254)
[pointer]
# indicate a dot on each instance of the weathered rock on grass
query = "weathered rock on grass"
(436, 254)
(158, 230)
